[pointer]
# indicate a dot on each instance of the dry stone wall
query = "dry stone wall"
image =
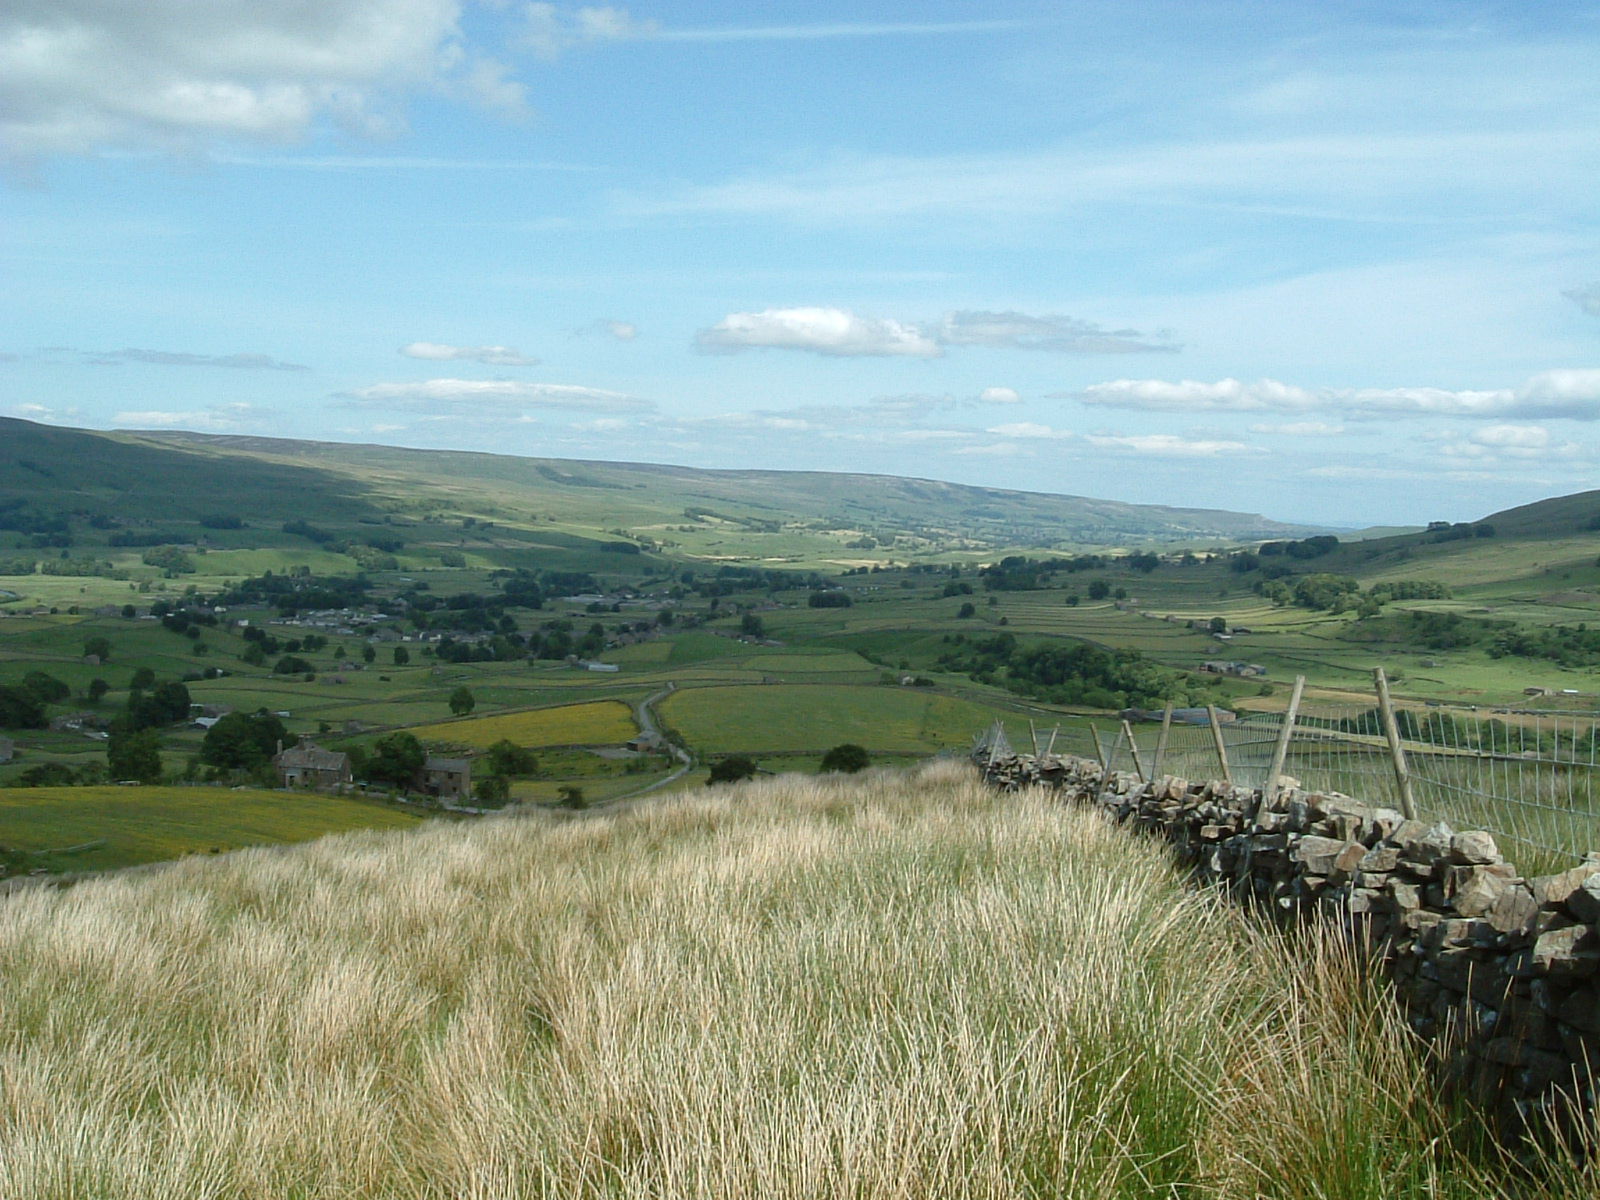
(1497, 971)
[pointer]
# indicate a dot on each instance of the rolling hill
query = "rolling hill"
(173, 478)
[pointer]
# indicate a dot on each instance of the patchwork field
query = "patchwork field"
(600, 723)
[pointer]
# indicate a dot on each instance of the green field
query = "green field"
(600, 723)
(813, 717)
(126, 826)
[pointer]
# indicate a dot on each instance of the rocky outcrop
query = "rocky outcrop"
(1499, 972)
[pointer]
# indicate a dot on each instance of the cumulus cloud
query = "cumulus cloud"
(175, 358)
(76, 75)
(1062, 335)
(498, 356)
(1586, 298)
(491, 396)
(1511, 442)
(999, 395)
(216, 418)
(1168, 445)
(1573, 394)
(828, 331)
(550, 31)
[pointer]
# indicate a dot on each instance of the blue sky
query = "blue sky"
(1330, 262)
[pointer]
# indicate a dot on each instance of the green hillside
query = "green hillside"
(167, 478)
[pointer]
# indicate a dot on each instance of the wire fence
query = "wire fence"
(1529, 777)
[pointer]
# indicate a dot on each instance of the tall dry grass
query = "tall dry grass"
(883, 986)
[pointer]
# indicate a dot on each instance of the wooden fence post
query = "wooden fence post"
(1161, 742)
(1222, 746)
(1099, 751)
(1133, 749)
(1269, 791)
(1397, 752)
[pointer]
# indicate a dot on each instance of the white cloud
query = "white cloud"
(1028, 429)
(1573, 394)
(1061, 334)
(1587, 298)
(829, 331)
(622, 331)
(1511, 442)
(218, 417)
(852, 29)
(992, 450)
(999, 395)
(498, 356)
(46, 416)
(77, 75)
(1301, 429)
(176, 358)
(491, 396)
(550, 31)
(1167, 445)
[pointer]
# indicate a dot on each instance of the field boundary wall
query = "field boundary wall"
(1499, 973)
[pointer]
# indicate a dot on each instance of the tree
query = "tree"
(368, 653)
(401, 656)
(99, 647)
(494, 790)
(142, 678)
(50, 774)
(732, 768)
(97, 690)
(1219, 625)
(847, 758)
(240, 741)
(461, 701)
(752, 626)
(290, 664)
(396, 758)
(1099, 589)
(46, 689)
(507, 758)
(571, 796)
(19, 710)
(966, 610)
(134, 754)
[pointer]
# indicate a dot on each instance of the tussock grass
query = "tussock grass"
(893, 985)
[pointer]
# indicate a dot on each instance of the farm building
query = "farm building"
(446, 778)
(645, 743)
(1240, 670)
(308, 765)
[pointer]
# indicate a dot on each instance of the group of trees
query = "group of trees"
(846, 758)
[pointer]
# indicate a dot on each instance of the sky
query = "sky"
(1334, 262)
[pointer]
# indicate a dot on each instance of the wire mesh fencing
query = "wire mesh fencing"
(1529, 777)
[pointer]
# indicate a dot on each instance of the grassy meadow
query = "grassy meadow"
(109, 827)
(897, 985)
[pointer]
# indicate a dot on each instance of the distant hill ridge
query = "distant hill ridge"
(175, 475)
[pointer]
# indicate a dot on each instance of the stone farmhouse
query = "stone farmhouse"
(448, 779)
(309, 766)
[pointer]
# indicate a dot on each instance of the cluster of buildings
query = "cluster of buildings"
(308, 765)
